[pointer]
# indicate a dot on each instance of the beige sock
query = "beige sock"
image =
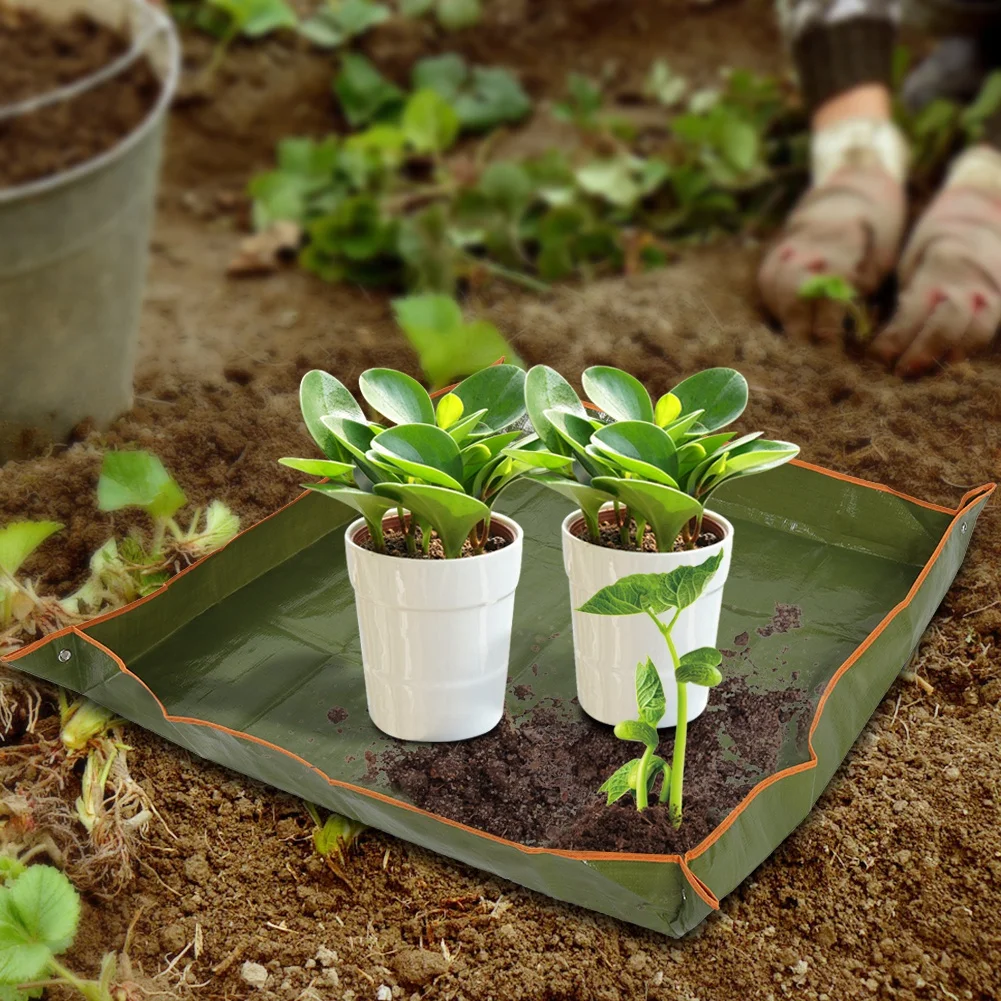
(858, 141)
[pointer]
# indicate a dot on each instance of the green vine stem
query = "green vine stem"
(681, 727)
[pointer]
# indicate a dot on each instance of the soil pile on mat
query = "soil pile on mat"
(38, 56)
(535, 779)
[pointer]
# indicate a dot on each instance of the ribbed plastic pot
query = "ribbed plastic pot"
(435, 636)
(73, 255)
(607, 648)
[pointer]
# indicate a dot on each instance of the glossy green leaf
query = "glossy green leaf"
(620, 395)
(321, 395)
(755, 457)
(546, 389)
(20, 539)
(500, 389)
(654, 592)
(700, 667)
(371, 507)
(424, 451)
(575, 431)
(451, 514)
(448, 411)
(39, 916)
(429, 122)
(319, 467)
(668, 410)
(665, 509)
(589, 499)
(635, 730)
(611, 463)
(397, 396)
(650, 699)
(681, 429)
(355, 437)
(138, 479)
(639, 445)
(720, 392)
(540, 458)
(464, 427)
(620, 782)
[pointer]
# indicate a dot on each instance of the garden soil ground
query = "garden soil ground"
(892, 887)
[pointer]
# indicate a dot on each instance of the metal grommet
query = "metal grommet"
(962, 527)
(65, 655)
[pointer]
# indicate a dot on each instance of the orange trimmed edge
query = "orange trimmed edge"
(970, 499)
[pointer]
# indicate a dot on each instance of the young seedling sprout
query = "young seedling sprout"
(834, 288)
(23, 612)
(656, 465)
(654, 595)
(441, 469)
(39, 918)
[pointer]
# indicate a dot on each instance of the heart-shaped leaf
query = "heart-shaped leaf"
(720, 392)
(700, 667)
(319, 467)
(138, 479)
(650, 700)
(424, 451)
(635, 730)
(665, 509)
(500, 389)
(397, 396)
(20, 539)
(619, 394)
(620, 782)
(546, 389)
(321, 395)
(451, 514)
(39, 915)
(654, 592)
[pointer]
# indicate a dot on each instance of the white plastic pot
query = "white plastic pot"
(607, 648)
(435, 636)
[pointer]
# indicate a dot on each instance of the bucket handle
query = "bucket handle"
(67, 92)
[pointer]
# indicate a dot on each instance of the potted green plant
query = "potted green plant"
(433, 566)
(641, 474)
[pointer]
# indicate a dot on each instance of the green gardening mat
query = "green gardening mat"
(239, 658)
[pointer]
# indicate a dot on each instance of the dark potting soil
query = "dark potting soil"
(610, 538)
(396, 545)
(37, 56)
(534, 779)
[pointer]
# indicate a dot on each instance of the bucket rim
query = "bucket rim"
(78, 172)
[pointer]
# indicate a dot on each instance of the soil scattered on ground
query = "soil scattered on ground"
(38, 56)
